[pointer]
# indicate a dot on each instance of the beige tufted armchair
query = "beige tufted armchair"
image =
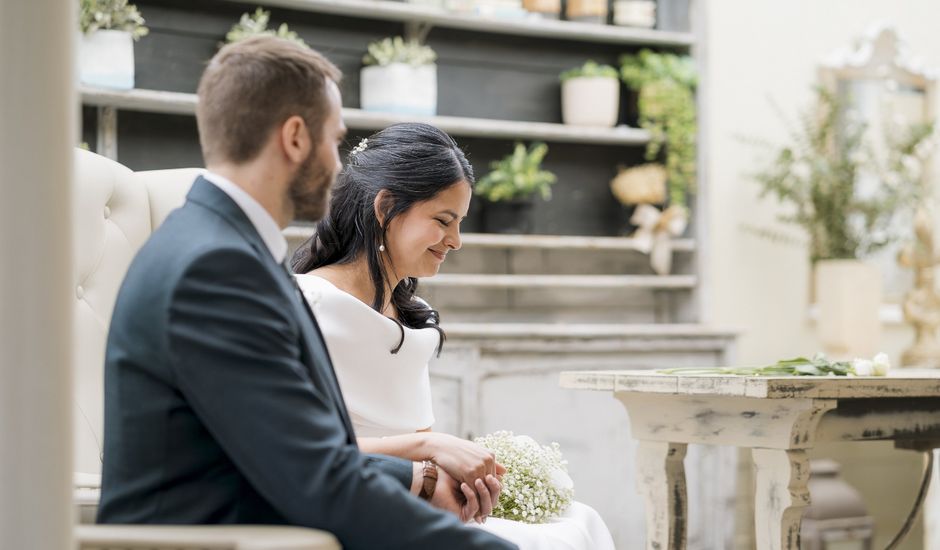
(115, 210)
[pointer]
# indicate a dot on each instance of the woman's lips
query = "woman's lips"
(439, 255)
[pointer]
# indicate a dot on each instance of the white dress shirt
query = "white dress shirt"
(259, 217)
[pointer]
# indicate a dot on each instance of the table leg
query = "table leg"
(781, 477)
(661, 481)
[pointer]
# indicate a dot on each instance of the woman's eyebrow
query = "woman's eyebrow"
(449, 212)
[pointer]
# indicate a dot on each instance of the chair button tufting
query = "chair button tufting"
(80, 292)
(107, 212)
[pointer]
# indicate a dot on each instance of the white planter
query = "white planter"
(590, 101)
(848, 293)
(106, 59)
(635, 13)
(399, 88)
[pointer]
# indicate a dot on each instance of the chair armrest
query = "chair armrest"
(202, 537)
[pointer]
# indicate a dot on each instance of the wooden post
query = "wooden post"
(38, 107)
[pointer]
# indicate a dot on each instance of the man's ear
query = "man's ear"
(295, 139)
(382, 203)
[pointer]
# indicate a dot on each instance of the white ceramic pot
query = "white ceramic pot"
(635, 13)
(106, 59)
(590, 101)
(399, 88)
(848, 294)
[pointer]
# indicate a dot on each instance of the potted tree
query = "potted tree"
(106, 53)
(820, 176)
(510, 188)
(256, 24)
(590, 95)
(399, 77)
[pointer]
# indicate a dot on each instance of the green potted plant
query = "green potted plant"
(665, 86)
(848, 199)
(256, 24)
(106, 53)
(590, 95)
(510, 187)
(399, 76)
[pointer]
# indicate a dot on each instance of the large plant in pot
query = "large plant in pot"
(819, 176)
(665, 86)
(109, 29)
(511, 187)
(590, 95)
(399, 77)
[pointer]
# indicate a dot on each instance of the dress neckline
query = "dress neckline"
(353, 298)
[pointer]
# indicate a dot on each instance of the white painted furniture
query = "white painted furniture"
(779, 419)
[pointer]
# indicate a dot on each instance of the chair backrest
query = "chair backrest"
(115, 211)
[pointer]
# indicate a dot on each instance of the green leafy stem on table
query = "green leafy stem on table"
(819, 365)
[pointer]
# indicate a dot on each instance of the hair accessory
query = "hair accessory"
(361, 147)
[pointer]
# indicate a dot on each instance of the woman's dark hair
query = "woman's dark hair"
(412, 163)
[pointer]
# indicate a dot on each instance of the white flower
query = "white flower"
(863, 367)
(881, 364)
(536, 486)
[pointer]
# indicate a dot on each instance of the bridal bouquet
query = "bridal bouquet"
(878, 365)
(536, 486)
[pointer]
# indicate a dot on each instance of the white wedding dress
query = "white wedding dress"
(390, 394)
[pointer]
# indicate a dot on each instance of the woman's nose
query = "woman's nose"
(452, 240)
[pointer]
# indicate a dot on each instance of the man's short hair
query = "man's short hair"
(251, 87)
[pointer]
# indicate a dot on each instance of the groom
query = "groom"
(221, 405)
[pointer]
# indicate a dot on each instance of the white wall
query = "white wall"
(761, 53)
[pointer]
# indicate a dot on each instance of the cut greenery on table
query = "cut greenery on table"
(819, 365)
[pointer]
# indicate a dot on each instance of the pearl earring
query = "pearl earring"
(381, 248)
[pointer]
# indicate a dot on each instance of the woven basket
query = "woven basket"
(644, 184)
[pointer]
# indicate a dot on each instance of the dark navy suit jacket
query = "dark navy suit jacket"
(221, 404)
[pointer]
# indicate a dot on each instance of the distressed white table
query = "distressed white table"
(777, 418)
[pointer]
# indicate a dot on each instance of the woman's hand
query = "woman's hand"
(464, 501)
(463, 460)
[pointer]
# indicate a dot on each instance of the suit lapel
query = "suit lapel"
(209, 196)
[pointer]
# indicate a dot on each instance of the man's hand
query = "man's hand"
(464, 501)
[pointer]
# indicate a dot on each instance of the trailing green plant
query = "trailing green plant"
(115, 15)
(665, 84)
(820, 177)
(590, 69)
(398, 50)
(256, 24)
(518, 176)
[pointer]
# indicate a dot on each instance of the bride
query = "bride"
(394, 216)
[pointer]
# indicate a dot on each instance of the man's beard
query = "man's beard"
(309, 190)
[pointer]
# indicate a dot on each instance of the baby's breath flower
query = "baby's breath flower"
(536, 486)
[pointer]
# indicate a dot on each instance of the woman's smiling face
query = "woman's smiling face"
(418, 240)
